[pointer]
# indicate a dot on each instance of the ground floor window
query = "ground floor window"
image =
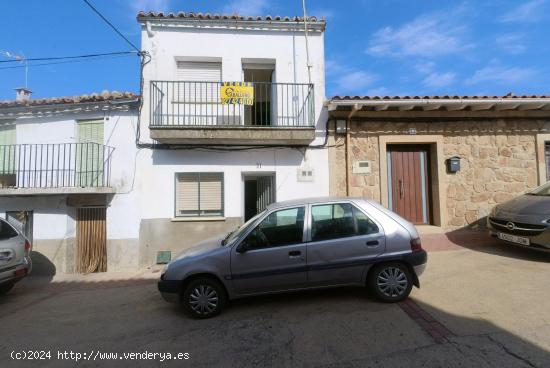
(547, 157)
(199, 194)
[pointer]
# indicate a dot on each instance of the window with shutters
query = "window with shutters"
(90, 155)
(199, 77)
(547, 156)
(8, 158)
(199, 194)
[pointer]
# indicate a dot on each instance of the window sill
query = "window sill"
(198, 219)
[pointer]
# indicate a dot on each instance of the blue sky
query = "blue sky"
(390, 47)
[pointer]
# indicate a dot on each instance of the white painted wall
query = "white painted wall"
(52, 218)
(288, 49)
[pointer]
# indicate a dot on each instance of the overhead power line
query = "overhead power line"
(112, 26)
(69, 57)
(62, 62)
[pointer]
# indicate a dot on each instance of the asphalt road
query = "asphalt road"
(476, 308)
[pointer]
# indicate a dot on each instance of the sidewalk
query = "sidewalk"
(458, 240)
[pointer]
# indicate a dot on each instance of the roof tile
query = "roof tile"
(192, 15)
(93, 97)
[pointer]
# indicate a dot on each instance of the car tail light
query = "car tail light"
(416, 244)
(27, 247)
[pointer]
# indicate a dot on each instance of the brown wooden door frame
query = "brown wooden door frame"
(409, 182)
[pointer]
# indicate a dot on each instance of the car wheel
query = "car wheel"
(204, 298)
(390, 282)
(5, 288)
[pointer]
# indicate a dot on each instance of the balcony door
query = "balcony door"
(196, 94)
(7, 154)
(90, 156)
(260, 113)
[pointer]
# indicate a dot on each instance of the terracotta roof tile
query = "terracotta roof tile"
(93, 97)
(192, 15)
(446, 97)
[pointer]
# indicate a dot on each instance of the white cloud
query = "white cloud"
(378, 91)
(528, 12)
(246, 7)
(346, 79)
(354, 82)
(439, 80)
(426, 36)
(424, 67)
(328, 14)
(512, 43)
(150, 5)
(501, 74)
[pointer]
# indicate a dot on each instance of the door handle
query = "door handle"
(401, 189)
(294, 253)
(373, 243)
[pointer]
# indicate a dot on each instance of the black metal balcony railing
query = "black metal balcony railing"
(198, 104)
(55, 165)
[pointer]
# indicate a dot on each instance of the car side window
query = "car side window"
(365, 225)
(339, 220)
(6, 231)
(284, 227)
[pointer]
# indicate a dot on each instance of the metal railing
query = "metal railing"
(55, 165)
(198, 104)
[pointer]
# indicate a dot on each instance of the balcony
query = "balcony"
(62, 168)
(195, 113)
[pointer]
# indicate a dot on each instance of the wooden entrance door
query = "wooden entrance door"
(408, 181)
(91, 240)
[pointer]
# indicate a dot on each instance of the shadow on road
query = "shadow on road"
(480, 241)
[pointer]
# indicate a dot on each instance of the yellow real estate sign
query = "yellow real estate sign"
(237, 93)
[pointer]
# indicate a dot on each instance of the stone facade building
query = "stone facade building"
(397, 151)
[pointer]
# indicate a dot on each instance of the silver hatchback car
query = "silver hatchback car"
(295, 245)
(524, 220)
(15, 260)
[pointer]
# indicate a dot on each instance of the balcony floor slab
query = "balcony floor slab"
(243, 135)
(11, 192)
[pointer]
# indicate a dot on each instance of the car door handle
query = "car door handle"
(294, 253)
(373, 243)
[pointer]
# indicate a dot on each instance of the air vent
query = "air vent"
(305, 174)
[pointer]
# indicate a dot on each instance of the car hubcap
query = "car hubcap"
(203, 299)
(392, 282)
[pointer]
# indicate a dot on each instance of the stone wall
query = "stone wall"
(498, 162)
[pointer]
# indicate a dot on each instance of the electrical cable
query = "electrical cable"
(60, 62)
(112, 26)
(70, 57)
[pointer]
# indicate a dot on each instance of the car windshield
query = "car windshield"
(543, 190)
(237, 232)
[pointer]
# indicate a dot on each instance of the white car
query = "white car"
(15, 260)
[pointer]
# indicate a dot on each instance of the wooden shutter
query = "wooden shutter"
(8, 140)
(199, 71)
(90, 154)
(202, 85)
(187, 194)
(199, 194)
(211, 193)
(547, 155)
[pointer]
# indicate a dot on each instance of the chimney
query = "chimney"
(22, 94)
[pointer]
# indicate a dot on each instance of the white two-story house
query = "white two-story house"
(232, 120)
(66, 179)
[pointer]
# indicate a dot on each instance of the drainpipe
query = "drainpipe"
(354, 109)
